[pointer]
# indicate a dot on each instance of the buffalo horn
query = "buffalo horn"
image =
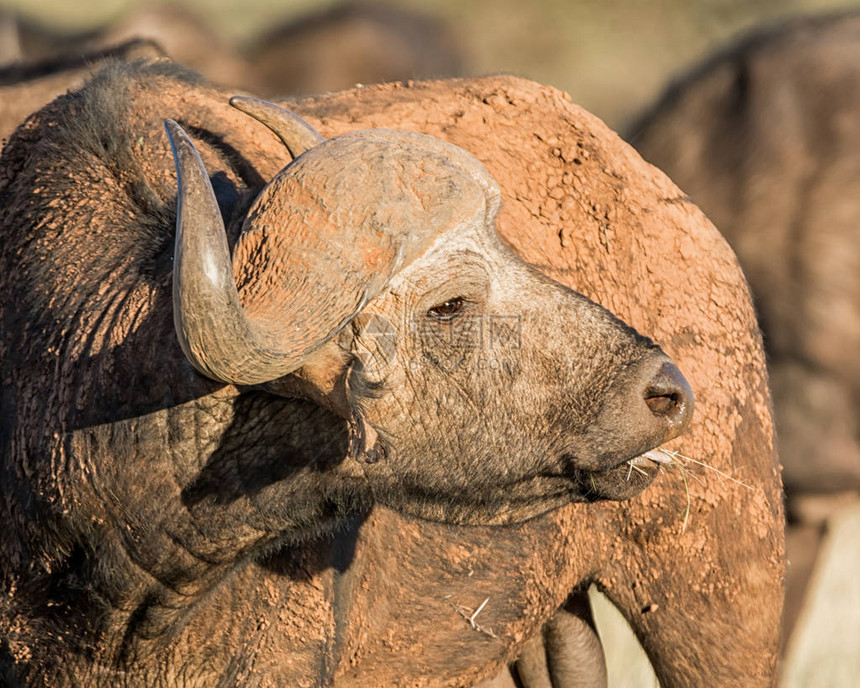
(296, 134)
(215, 334)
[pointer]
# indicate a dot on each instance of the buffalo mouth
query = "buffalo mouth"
(624, 481)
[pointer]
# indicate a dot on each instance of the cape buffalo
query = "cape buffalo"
(10, 48)
(176, 452)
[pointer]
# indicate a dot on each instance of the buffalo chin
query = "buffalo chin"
(617, 484)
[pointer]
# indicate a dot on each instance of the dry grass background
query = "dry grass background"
(612, 56)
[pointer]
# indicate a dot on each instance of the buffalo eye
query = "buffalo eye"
(447, 310)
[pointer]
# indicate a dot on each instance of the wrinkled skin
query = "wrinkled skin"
(761, 138)
(502, 396)
(381, 595)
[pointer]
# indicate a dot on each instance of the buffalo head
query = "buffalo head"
(369, 277)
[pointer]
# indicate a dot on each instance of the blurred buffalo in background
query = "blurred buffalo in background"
(10, 46)
(765, 137)
(183, 34)
(353, 43)
(349, 43)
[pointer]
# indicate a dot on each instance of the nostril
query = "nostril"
(668, 396)
(662, 404)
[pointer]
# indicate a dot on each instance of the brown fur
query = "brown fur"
(377, 603)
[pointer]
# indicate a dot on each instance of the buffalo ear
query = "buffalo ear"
(333, 378)
(365, 443)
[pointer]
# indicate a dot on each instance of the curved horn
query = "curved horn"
(296, 134)
(219, 340)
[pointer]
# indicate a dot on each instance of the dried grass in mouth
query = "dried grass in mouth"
(667, 458)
